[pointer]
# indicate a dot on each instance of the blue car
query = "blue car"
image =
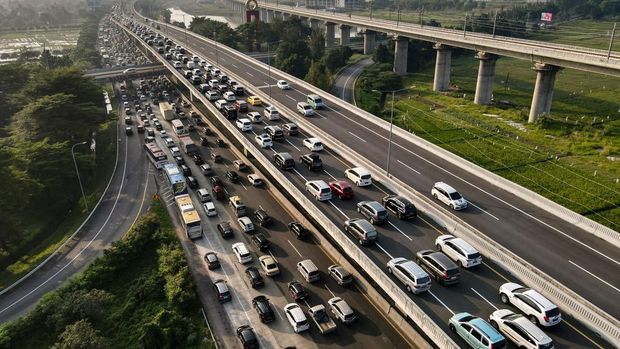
(476, 332)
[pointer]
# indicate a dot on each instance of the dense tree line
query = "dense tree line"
(40, 14)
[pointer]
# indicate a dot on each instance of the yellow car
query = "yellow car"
(254, 100)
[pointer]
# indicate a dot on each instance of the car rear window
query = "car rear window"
(473, 255)
(313, 273)
(365, 176)
(424, 280)
(325, 190)
(347, 190)
(552, 312)
(371, 234)
(453, 272)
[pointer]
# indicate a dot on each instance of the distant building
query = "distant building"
(93, 4)
(335, 4)
(349, 4)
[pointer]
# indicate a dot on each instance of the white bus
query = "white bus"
(178, 127)
(189, 216)
(156, 155)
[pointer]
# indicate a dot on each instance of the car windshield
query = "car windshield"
(455, 196)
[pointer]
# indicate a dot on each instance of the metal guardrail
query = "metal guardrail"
(400, 298)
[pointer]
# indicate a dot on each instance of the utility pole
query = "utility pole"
(611, 41)
(269, 71)
(421, 15)
(494, 23)
(465, 26)
(78, 173)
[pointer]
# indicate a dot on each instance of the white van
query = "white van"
(244, 124)
(271, 113)
(203, 194)
(175, 151)
(319, 189)
(308, 270)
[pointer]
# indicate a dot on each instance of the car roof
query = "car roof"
(374, 205)
(360, 170)
(487, 329)
(321, 183)
(341, 183)
(464, 245)
(342, 305)
(411, 267)
(312, 139)
(295, 311)
(441, 258)
(539, 299)
(363, 224)
(244, 219)
(445, 187)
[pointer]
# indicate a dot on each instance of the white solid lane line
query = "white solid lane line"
(485, 211)
(402, 232)
(384, 250)
(330, 291)
(294, 248)
(486, 300)
(250, 74)
(440, 301)
(339, 210)
(356, 136)
(591, 274)
(329, 174)
(294, 146)
(300, 175)
(407, 166)
(291, 98)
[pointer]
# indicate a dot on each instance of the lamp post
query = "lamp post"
(217, 57)
(185, 29)
(78, 173)
(389, 154)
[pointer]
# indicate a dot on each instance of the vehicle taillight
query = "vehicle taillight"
(546, 318)
(445, 275)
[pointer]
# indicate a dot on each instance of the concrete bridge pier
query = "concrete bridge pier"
(543, 91)
(269, 16)
(400, 54)
(486, 75)
(370, 40)
(314, 23)
(345, 35)
(443, 65)
(330, 34)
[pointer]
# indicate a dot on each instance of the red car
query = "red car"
(341, 189)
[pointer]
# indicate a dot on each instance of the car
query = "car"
(312, 161)
(240, 165)
(271, 113)
(458, 250)
(255, 278)
(260, 241)
(341, 310)
(283, 85)
(262, 217)
(299, 230)
(438, 265)
(373, 211)
(192, 182)
(362, 231)
(297, 290)
(263, 140)
(359, 175)
(178, 64)
(284, 161)
(319, 190)
(233, 176)
(255, 180)
(241, 106)
(341, 189)
(274, 132)
(225, 229)
(128, 120)
(206, 169)
(296, 317)
(340, 274)
(269, 265)
(313, 144)
(169, 142)
(254, 100)
(290, 129)
(229, 96)
(244, 124)
(217, 158)
(128, 130)
(212, 261)
(449, 196)
(415, 279)
(209, 208)
(218, 192)
(255, 117)
(246, 224)
(198, 159)
(519, 330)
(220, 104)
(179, 160)
(534, 305)
(204, 141)
(163, 133)
(263, 309)
(222, 291)
(400, 206)
(216, 181)
(476, 332)
(305, 109)
(242, 253)
(315, 101)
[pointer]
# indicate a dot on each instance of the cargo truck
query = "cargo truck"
(166, 110)
(188, 145)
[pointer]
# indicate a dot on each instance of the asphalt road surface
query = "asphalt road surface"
(345, 80)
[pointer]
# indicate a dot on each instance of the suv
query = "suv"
(319, 189)
(312, 162)
(458, 250)
(241, 106)
(247, 337)
(341, 309)
(476, 332)
(284, 161)
(271, 113)
(225, 229)
(520, 330)
(297, 290)
(263, 309)
(440, 266)
(212, 261)
(255, 278)
(290, 129)
(298, 229)
(274, 132)
(533, 304)
(222, 291)
(359, 175)
(296, 317)
(449, 196)
(361, 230)
(401, 207)
(373, 211)
(342, 189)
(262, 218)
(340, 274)
(415, 279)
(260, 241)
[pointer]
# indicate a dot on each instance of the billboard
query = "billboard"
(546, 16)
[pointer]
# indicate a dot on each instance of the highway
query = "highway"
(344, 83)
(369, 331)
(584, 263)
(126, 197)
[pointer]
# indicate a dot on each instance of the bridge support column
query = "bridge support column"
(314, 23)
(345, 35)
(442, 67)
(269, 16)
(369, 41)
(400, 54)
(486, 75)
(543, 91)
(330, 32)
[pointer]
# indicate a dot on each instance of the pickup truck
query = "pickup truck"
(319, 315)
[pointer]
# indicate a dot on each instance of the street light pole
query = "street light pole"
(185, 27)
(78, 173)
(217, 58)
(269, 69)
(389, 154)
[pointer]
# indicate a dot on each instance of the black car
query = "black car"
(158, 126)
(263, 309)
(297, 291)
(233, 176)
(255, 278)
(247, 337)
(220, 143)
(312, 161)
(198, 159)
(186, 170)
(222, 291)
(212, 261)
(262, 218)
(225, 229)
(204, 141)
(179, 160)
(260, 240)
(192, 182)
(216, 157)
(400, 206)
(299, 230)
(216, 181)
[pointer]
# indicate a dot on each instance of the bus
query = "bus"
(156, 155)
(178, 126)
(189, 216)
(176, 179)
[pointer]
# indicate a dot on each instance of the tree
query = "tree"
(383, 55)
(80, 335)
(319, 75)
(293, 57)
(337, 57)
(317, 44)
(178, 24)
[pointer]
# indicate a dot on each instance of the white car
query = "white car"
(449, 196)
(246, 224)
(296, 317)
(283, 85)
(415, 279)
(313, 143)
(533, 304)
(242, 253)
(305, 109)
(244, 124)
(255, 117)
(458, 250)
(163, 133)
(209, 209)
(169, 142)
(359, 175)
(341, 310)
(271, 113)
(319, 189)
(220, 104)
(269, 265)
(519, 330)
(255, 180)
(229, 96)
(178, 64)
(263, 140)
